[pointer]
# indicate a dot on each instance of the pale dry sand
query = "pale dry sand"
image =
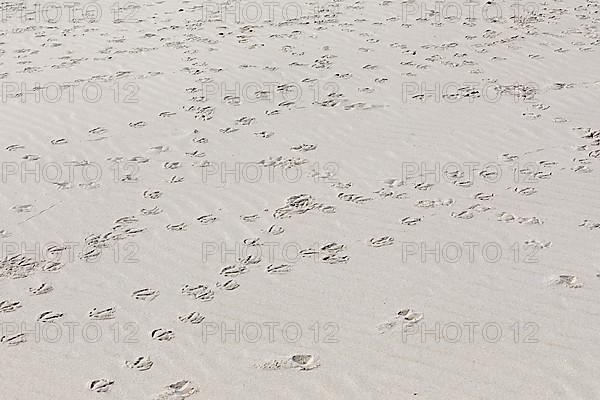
(293, 176)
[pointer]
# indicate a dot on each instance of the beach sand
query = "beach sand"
(292, 200)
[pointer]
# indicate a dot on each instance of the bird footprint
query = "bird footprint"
(382, 241)
(404, 317)
(140, 364)
(233, 270)
(566, 280)
(278, 269)
(229, 285)
(13, 340)
(191, 318)
(177, 391)
(145, 294)
(108, 313)
(162, 335)
(207, 219)
(9, 306)
(198, 292)
(49, 316)
(410, 220)
(101, 385)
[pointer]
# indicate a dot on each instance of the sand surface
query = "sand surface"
(374, 199)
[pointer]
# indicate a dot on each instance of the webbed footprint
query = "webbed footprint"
(410, 220)
(177, 227)
(466, 214)
(250, 218)
(278, 269)
(233, 270)
(382, 241)
(100, 385)
(276, 230)
(303, 362)
(140, 364)
(193, 318)
(229, 285)
(22, 208)
(162, 335)
(207, 219)
(151, 211)
(566, 280)
(13, 340)
(145, 294)
(405, 317)
(108, 313)
(199, 292)
(177, 391)
(9, 306)
(49, 316)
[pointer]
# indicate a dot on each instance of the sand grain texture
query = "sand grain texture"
(344, 200)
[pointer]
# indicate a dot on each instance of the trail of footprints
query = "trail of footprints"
(329, 253)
